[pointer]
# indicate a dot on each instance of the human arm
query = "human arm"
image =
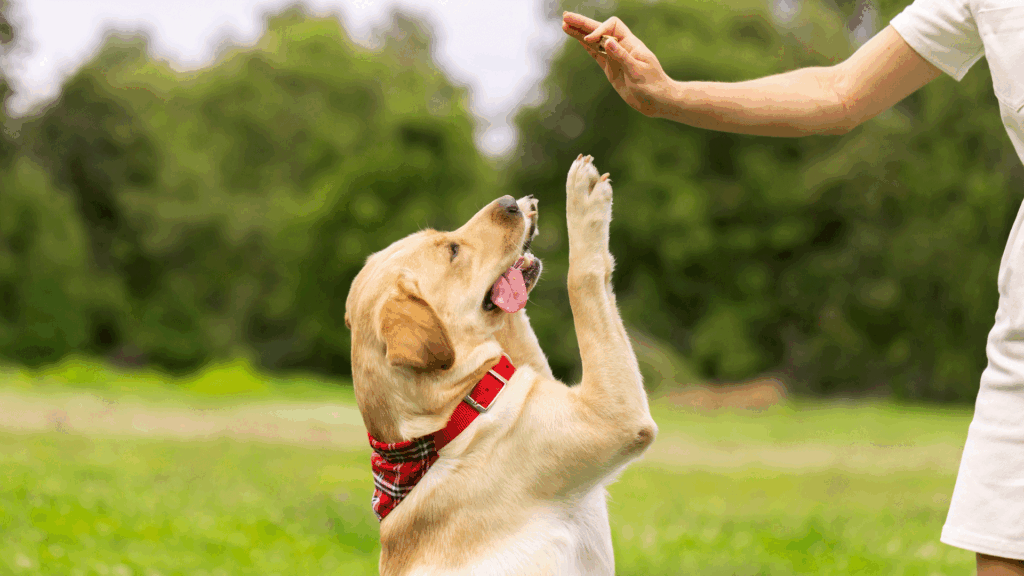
(818, 100)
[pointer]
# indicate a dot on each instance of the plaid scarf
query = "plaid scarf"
(397, 468)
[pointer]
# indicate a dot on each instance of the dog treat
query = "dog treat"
(600, 44)
(509, 292)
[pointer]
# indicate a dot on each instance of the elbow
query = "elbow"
(841, 129)
(842, 107)
(845, 120)
(641, 438)
(848, 117)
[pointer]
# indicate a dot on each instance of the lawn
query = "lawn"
(806, 488)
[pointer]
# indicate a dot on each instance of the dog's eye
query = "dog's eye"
(454, 249)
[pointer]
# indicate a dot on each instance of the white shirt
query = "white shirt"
(987, 510)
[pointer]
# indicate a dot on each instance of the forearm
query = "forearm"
(796, 103)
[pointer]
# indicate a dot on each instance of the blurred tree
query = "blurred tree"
(97, 149)
(225, 211)
(50, 294)
(235, 204)
(859, 262)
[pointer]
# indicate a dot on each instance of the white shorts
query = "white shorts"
(986, 513)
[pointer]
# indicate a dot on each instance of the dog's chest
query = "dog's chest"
(556, 540)
(552, 539)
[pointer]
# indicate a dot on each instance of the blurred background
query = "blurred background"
(188, 189)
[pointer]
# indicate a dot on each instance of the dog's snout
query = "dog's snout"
(508, 204)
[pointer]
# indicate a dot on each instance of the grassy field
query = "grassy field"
(805, 488)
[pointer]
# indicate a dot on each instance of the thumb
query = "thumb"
(629, 64)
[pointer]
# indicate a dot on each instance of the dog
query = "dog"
(484, 464)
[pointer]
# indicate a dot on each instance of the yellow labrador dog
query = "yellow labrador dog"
(483, 463)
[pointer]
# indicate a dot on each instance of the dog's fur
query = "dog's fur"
(521, 490)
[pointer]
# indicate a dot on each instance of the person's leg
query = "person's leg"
(996, 566)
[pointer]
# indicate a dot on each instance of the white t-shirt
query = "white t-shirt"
(987, 510)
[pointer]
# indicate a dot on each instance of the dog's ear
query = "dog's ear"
(413, 333)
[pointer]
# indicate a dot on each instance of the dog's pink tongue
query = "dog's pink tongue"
(509, 292)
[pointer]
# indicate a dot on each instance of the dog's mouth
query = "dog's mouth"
(531, 266)
(510, 290)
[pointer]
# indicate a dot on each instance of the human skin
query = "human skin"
(817, 100)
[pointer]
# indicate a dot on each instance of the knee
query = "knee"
(997, 566)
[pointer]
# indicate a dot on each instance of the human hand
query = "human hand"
(630, 66)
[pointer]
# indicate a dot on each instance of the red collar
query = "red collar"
(476, 402)
(399, 466)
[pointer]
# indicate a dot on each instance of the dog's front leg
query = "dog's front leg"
(612, 389)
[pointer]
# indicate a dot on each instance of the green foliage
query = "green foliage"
(236, 204)
(179, 218)
(50, 293)
(851, 263)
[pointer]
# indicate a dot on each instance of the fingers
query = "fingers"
(611, 68)
(617, 49)
(622, 56)
(590, 48)
(574, 32)
(580, 22)
(578, 26)
(610, 27)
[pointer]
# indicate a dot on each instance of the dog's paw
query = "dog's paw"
(588, 204)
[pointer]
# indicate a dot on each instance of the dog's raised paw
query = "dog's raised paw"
(583, 175)
(588, 201)
(585, 185)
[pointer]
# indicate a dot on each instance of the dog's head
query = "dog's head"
(422, 319)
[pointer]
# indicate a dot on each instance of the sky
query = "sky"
(58, 36)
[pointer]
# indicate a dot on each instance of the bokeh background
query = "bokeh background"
(178, 235)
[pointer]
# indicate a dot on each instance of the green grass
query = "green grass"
(811, 488)
(670, 521)
(72, 505)
(222, 383)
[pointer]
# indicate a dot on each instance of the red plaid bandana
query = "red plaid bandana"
(399, 466)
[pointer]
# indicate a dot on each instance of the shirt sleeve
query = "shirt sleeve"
(943, 32)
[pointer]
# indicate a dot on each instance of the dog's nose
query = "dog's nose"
(508, 203)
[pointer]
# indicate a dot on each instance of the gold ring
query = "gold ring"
(600, 44)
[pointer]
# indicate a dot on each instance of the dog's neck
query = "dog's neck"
(421, 404)
(517, 339)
